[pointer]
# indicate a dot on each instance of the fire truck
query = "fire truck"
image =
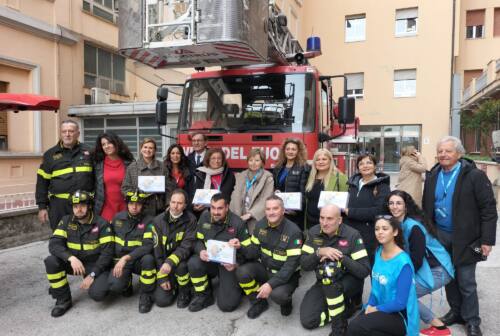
(265, 90)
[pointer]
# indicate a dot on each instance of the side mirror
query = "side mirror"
(162, 93)
(346, 110)
(161, 112)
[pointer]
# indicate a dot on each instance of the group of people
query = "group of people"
(106, 229)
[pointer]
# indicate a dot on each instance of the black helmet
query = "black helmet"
(136, 196)
(81, 196)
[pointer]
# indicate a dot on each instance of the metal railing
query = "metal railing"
(467, 94)
(497, 66)
(481, 81)
(15, 202)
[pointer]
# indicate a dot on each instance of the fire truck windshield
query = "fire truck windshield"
(253, 103)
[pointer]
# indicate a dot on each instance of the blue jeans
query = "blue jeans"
(441, 278)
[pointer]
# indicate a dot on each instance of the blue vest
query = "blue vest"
(424, 274)
(385, 275)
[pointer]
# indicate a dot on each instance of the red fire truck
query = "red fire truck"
(265, 91)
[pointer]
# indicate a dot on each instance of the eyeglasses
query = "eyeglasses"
(387, 217)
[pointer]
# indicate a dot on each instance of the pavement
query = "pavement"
(25, 306)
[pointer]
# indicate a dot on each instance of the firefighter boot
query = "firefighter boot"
(184, 297)
(339, 325)
(201, 300)
(258, 306)
(145, 303)
(61, 307)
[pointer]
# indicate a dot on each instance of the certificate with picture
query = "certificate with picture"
(221, 252)
(203, 196)
(151, 184)
(338, 198)
(291, 200)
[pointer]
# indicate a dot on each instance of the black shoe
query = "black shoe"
(183, 299)
(451, 318)
(61, 307)
(339, 327)
(286, 309)
(351, 308)
(129, 291)
(257, 308)
(473, 330)
(145, 303)
(201, 301)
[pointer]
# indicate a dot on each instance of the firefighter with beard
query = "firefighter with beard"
(82, 245)
(174, 237)
(133, 236)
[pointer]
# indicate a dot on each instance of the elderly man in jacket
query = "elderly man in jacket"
(459, 198)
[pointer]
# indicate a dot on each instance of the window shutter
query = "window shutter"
(407, 13)
(355, 81)
(475, 18)
(409, 74)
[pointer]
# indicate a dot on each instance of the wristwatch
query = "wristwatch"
(92, 275)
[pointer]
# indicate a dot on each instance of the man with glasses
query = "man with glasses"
(199, 143)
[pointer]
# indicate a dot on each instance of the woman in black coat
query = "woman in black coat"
(367, 193)
(214, 174)
(177, 173)
(291, 172)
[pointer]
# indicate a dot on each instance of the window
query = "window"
(405, 83)
(406, 21)
(355, 28)
(355, 85)
(496, 22)
(131, 129)
(105, 9)
(474, 22)
(103, 69)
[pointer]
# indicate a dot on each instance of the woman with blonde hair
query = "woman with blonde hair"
(412, 164)
(324, 176)
(253, 186)
(146, 165)
(291, 172)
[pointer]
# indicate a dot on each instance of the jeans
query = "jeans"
(441, 278)
(461, 292)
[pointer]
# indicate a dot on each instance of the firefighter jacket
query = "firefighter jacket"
(174, 239)
(278, 249)
(90, 243)
(133, 235)
(231, 227)
(347, 240)
(62, 172)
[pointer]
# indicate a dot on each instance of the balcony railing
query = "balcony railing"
(467, 93)
(481, 85)
(15, 202)
(481, 81)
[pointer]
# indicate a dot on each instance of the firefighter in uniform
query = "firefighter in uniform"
(219, 224)
(133, 236)
(82, 244)
(65, 168)
(337, 253)
(174, 237)
(276, 243)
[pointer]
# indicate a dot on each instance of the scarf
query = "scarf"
(209, 173)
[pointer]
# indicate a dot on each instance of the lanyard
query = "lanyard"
(249, 183)
(450, 181)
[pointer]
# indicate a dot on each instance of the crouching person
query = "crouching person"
(133, 251)
(275, 247)
(337, 253)
(174, 237)
(219, 224)
(81, 245)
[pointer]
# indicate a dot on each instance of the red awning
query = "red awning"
(28, 102)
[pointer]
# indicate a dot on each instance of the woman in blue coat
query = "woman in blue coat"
(432, 263)
(392, 307)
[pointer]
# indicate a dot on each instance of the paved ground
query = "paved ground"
(25, 306)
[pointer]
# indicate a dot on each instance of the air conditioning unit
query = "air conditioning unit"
(99, 96)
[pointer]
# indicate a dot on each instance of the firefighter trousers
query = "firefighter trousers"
(57, 270)
(145, 267)
(251, 275)
(164, 298)
(58, 208)
(229, 294)
(326, 300)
